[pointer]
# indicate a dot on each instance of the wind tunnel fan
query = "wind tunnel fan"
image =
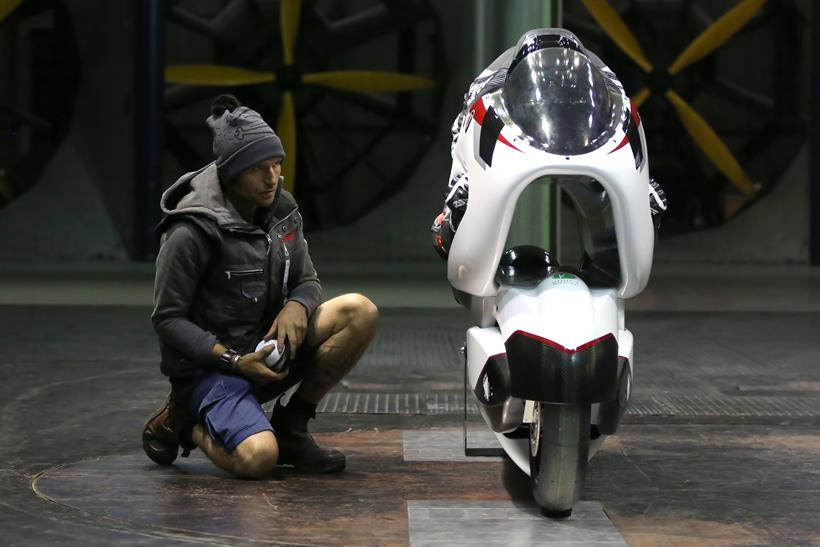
(352, 135)
(39, 77)
(717, 86)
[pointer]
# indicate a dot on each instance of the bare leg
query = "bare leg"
(341, 328)
(253, 458)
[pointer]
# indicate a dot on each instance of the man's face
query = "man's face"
(257, 184)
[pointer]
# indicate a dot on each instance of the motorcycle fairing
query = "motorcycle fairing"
(494, 190)
(543, 370)
(633, 137)
(501, 411)
(490, 133)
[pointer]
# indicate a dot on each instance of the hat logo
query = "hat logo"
(238, 134)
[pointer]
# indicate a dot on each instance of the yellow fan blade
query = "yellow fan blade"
(616, 28)
(717, 34)
(711, 144)
(286, 129)
(8, 6)
(289, 25)
(641, 97)
(368, 80)
(215, 75)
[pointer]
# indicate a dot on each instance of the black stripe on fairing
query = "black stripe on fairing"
(543, 41)
(490, 129)
(633, 136)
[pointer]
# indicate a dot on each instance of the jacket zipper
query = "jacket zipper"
(240, 273)
(286, 252)
(287, 269)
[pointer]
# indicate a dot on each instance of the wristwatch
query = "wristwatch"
(229, 361)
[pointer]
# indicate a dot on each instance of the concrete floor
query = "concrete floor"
(721, 446)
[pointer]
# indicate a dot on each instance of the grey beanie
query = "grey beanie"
(241, 138)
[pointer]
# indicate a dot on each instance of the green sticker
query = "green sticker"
(562, 275)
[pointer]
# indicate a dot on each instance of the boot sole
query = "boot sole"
(157, 451)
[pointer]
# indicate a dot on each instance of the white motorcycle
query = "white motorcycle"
(550, 360)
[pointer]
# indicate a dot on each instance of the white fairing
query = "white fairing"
(494, 189)
(585, 315)
(561, 309)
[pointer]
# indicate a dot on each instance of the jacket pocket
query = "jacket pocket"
(245, 293)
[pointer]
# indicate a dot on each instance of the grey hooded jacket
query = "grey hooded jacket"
(219, 278)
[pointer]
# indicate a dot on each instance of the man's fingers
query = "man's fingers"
(264, 352)
(271, 330)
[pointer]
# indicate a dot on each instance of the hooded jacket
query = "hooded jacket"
(221, 279)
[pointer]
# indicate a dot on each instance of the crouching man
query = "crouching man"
(234, 269)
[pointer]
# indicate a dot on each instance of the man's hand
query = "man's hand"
(252, 366)
(291, 323)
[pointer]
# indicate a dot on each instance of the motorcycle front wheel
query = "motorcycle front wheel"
(559, 449)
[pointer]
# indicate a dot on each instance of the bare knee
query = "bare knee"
(256, 456)
(360, 313)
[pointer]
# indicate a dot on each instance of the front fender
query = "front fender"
(543, 370)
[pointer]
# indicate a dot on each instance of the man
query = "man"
(233, 269)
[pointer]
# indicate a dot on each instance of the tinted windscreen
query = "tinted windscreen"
(561, 101)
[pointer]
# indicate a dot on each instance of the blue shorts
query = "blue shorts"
(230, 407)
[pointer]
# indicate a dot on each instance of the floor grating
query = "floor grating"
(452, 402)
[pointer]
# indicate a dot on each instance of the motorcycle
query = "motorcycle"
(550, 360)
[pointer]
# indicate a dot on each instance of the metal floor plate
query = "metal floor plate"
(506, 523)
(446, 445)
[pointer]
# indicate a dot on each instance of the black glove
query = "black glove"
(657, 202)
(457, 203)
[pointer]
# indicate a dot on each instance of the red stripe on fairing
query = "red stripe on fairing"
(633, 112)
(558, 346)
(505, 141)
(623, 143)
(479, 111)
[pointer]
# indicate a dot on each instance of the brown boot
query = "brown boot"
(296, 445)
(166, 430)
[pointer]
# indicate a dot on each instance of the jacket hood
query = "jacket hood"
(199, 193)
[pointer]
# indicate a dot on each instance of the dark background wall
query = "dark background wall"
(82, 206)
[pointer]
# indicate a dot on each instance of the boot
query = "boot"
(296, 446)
(168, 429)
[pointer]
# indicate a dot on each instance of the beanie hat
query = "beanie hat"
(241, 137)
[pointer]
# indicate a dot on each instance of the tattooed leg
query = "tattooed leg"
(341, 328)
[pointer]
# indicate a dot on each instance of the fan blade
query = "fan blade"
(368, 80)
(215, 75)
(289, 24)
(711, 144)
(641, 97)
(8, 6)
(717, 34)
(616, 28)
(286, 129)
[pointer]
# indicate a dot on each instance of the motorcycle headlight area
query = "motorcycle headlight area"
(561, 102)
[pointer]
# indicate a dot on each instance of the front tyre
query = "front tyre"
(559, 449)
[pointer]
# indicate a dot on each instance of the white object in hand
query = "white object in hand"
(274, 360)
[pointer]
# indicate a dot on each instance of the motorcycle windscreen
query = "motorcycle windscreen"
(561, 102)
(562, 223)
